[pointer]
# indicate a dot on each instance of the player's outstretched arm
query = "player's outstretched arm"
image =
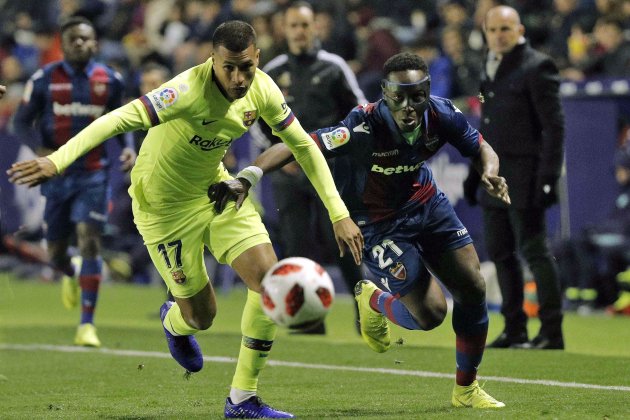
(32, 172)
(487, 164)
(274, 158)
(126, 118)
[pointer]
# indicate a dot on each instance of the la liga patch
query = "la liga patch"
(336, 138)
(163, 98)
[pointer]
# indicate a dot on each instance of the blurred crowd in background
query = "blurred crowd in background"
(587, 38)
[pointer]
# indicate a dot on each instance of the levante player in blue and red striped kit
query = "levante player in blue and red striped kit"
(408, 224)
(59, 101)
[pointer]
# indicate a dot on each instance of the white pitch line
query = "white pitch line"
(217, 359)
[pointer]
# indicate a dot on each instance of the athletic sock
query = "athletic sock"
(89, 281)
(393, 309)
(175, 324)
(470, 323)
(237, 396)
(258, 334)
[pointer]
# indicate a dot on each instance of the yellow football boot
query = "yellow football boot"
(374, 325)
(86, 336)
(473, 396)
(70, 290)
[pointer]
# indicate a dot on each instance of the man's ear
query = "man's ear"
(383, 86)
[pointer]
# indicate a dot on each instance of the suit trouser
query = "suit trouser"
(508, 232)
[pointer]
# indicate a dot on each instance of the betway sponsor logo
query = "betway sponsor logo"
(60, 86)
(77, 109)
(209, 144)
(395, 170)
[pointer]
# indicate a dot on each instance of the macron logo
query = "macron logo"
(395, 170)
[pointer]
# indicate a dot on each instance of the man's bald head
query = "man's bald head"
(503, 29)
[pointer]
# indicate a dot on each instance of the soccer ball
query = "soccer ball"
(297, 292)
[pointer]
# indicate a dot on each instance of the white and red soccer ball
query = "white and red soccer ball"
(297, 292)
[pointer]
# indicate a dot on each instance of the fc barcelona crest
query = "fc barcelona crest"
(178, 276)
(398, 271)
(249, 117)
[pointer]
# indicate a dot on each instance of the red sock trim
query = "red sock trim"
(470, 344)
(388, 309)
(90, 282)
(465, 378)
(374, 300)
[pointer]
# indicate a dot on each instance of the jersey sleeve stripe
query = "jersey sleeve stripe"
(150, 110)
(285, 123)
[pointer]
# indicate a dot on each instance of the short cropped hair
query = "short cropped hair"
(299, 4)
(405, 61)
(74, 21)
(235, 35)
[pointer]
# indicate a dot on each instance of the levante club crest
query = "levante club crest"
(248, 118)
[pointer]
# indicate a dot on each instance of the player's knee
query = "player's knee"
(471, 291)
(89, 246)
(203, 321)
(431, 313)
(435, 316)
(433, 322)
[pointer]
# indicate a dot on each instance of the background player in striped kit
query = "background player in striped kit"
(60, 100)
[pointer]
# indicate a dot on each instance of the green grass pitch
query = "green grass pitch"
(334, 376)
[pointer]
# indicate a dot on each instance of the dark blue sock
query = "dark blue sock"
(393, 309)
(470, 323)
(89, 280)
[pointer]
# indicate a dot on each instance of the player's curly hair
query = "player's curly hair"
(74, 21)
(405, 61)
(235, 35)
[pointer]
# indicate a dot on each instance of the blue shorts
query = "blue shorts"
(394, 248)
(74, 198)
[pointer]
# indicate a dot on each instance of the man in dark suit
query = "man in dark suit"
(523, 121)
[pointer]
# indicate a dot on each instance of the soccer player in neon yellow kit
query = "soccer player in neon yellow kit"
(195, 117)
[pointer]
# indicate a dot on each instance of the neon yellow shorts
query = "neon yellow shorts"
(176, 241)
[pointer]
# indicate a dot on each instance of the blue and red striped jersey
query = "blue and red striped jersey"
(379, 174)
(59, 101)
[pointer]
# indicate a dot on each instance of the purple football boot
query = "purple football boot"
(253, 408)
(184, 348)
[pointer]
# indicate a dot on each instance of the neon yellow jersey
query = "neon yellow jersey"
(191, 126)
(194, 125)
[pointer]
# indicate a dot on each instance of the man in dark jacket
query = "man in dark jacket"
(523, 121)
(321, 89)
